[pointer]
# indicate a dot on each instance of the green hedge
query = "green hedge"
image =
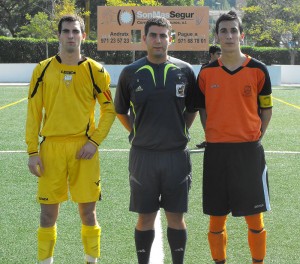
(25, 50)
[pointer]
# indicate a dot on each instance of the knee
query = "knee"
(146, 222)
(87, 213)
(88, 217)
(48, 215)
(47, 219)
(175, 220)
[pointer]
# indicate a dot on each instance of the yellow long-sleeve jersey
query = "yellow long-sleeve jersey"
(62, 100)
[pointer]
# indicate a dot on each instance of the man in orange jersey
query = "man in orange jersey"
(62, 94)
(236, 106)
(214, 53)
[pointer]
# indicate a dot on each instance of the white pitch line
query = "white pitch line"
(157, 250)
(101, 150)
(282, 152)
(192, 151)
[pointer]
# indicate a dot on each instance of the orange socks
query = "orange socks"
(217, 238)
(257, 237)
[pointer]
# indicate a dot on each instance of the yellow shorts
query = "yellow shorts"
(63, 173)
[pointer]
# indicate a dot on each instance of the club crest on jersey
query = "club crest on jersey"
(67, 79)
(180, 90)
(247, 91)
(68, 76)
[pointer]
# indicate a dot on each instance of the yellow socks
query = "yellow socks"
(91, 241)
(46, 242)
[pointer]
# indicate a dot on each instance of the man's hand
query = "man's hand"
(87, 151)
(35, 165)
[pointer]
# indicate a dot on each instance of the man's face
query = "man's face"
(157, 40)
(229, 35)
(71, 36)
(215, 56)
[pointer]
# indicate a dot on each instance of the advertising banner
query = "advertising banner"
(122, 27)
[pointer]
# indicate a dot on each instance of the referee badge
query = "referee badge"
(180, 90)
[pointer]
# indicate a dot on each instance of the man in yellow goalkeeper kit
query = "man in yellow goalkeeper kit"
(61, 104)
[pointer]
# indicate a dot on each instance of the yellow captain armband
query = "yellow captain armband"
(265, 101)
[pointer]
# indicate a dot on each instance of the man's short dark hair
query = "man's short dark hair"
(231, 15)
(213, 49)
(158, 21)
(71, 18)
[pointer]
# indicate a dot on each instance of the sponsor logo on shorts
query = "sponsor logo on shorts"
(97, 183)
(179, 249)
(139, 89)
(259, 206)
(43, 198)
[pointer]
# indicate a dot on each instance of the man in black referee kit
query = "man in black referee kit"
(153, 102)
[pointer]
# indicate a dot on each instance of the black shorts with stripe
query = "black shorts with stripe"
(235, 179)
(159, 179)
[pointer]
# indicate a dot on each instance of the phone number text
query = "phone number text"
(115, 40)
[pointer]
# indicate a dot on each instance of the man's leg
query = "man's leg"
(177, 236)
(257, 237)
(217, 238)
(46, 234)
(90, 231)
(144, 236)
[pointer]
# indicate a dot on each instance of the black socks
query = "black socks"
(177, 241)
(143, 243)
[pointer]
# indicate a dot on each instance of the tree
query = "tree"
(44, 26)
(12, 13)
(132, 3)
(265, 21)
(39, 27)
(81, 4)
(177, 2)
(220, 4)
(66, 7)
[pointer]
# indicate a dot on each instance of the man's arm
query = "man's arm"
(203, 117)
(33, 121)
(265, 116)
(189, 118)
(34, 112)
(124, 119)
(107, 109)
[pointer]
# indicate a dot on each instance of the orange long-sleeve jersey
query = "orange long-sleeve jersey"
(233, 100)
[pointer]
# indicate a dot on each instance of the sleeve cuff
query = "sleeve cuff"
(94, 142)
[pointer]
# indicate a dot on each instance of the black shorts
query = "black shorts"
(159, 179)
(235, 179)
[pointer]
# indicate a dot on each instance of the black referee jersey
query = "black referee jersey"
(157, 95)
